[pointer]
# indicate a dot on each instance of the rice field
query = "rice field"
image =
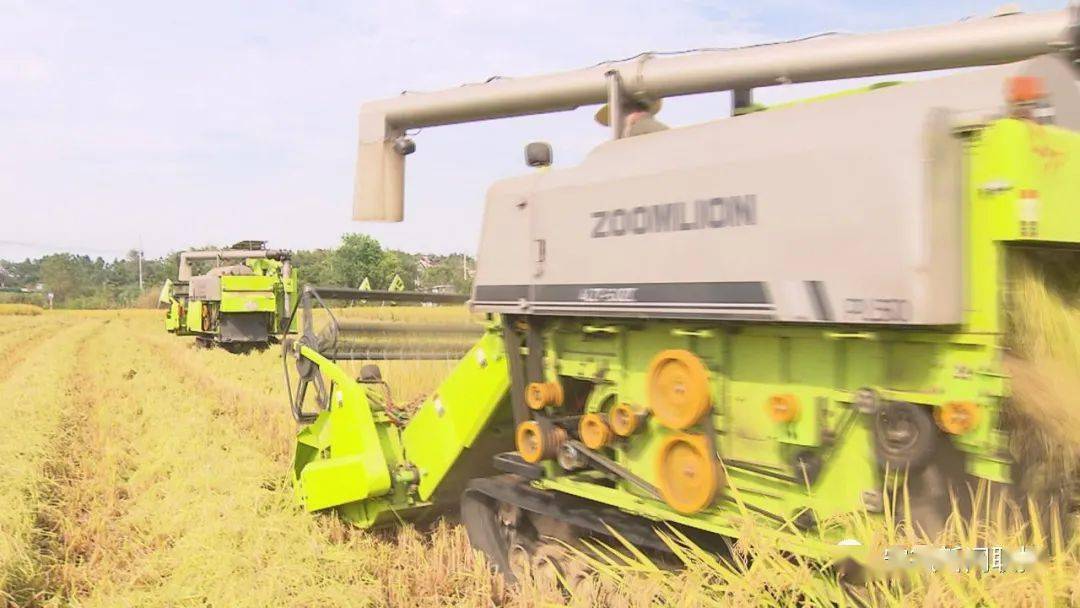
(19, 310)
(137, 470)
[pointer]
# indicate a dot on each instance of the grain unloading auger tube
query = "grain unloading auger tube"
(783, 313)
(383, 144)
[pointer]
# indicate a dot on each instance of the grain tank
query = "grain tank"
(770, 315)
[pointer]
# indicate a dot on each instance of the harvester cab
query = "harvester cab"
(239, 302)
(856, 345)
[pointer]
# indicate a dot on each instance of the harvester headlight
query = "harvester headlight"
(679, 392)
(957, 417)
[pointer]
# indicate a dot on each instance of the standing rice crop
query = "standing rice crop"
(20, 310)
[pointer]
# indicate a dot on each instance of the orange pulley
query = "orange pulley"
(678, 388)
(539, 395)
(686, 471)
(534, 444)
(594, 431)
(624, 420)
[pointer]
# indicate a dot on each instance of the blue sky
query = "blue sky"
(176, 124)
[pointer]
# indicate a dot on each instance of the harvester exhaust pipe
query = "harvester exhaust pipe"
(379, 194)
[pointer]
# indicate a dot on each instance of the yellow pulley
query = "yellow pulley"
(534, 444)
(594, 432)
(624, 420)
(686, 472)
(678, 385)
(539, 395)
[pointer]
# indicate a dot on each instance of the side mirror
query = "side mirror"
(538, 154)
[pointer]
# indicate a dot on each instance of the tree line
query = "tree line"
(81, 281)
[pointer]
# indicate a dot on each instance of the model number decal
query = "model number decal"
(608, 294)
(878, 310)
(717, 212)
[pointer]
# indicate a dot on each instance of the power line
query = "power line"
(65, 248)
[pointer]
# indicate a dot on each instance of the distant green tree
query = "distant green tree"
(447, 270)
(314, 266)
(357, 257)
(68, 276)
(395, 263)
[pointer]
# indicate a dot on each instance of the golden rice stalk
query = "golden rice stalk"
(20, 310)
(1044, 365)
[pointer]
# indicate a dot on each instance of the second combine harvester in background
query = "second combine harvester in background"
(240, 303)
(765, 315)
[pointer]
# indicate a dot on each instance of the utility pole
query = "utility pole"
(140, 270)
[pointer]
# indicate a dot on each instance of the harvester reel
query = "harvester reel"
(905, 436)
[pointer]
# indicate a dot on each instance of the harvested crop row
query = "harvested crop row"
(17, 345)
(251, 386)
(34, 388)
(14, 330)
(256, 406)
(167, 502)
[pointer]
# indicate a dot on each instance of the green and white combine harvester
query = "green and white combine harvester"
(240, 303)
(770, 315)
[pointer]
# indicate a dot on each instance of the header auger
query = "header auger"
(780, 311)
